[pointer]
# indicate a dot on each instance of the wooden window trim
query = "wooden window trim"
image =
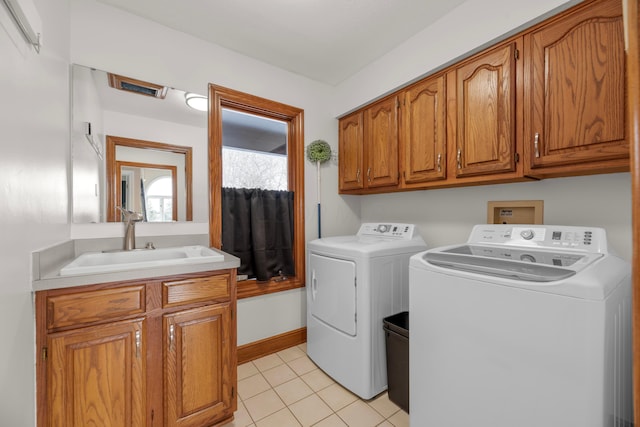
(220, 98)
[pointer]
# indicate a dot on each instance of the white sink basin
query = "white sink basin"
(103, 262)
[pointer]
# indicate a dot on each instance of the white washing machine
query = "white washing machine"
(353, 283)
(526, 326)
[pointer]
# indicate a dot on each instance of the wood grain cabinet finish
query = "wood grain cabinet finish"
(423, 132)
(547, 102)
(96, 376)
(368, 148)
(156, 352)
(575, 67)
(381, 143)
(483, 109)
(198, 384)
(351, 152)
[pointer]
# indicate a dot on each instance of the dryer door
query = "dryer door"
(333, 292)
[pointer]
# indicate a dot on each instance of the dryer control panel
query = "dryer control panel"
(388, 229)
(589, 239)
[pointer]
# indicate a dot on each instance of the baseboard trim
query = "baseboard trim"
(257, 349)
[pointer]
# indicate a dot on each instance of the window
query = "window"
(225, 101)
(160, 199)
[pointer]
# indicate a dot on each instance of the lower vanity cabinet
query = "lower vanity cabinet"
(157, 352)
(197, 378)
(96, 376)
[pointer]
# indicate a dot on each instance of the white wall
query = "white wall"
(146, 50)
(34, 118)
(87, 167)
(146, 129)
(446, 216)
(469, 27)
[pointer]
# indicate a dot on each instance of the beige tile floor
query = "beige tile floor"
(286, 389)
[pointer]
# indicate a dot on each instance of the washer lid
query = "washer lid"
(514, 263)
(366, 246)
(373, 239)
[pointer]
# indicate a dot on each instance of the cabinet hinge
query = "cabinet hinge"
(233, 392)
(44, 353)
(516, 54)
(517, 157)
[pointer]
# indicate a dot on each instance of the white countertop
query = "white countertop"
(48, 262)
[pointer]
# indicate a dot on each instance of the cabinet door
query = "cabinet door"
(576, 71)
(351, 153)
(423, 132)
(198, 366)
(381, 143)
(96, 376)
(485, 113)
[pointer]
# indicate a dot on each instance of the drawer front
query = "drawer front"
(95, 306)
(195, 290)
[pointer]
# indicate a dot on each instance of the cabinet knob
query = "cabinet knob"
(439, 162)
(172, 335)
(536, 139)
(358, 175)
(369, 174)
(459, 158)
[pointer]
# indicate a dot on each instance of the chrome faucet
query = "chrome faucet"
(130, 219)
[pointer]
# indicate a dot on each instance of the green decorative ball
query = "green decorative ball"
(319, 151)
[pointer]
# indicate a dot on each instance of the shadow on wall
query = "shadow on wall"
(446, 216)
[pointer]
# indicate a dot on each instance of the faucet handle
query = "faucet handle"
(130, 215)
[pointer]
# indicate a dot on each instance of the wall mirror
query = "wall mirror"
(136, 144)
(148, 177)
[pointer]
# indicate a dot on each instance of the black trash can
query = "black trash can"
(396, 329)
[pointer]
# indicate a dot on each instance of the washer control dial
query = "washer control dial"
(527, 234)
(383, 228)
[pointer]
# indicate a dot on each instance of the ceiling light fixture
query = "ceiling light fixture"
(197, 102)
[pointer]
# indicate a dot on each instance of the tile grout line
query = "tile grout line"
(277, 360)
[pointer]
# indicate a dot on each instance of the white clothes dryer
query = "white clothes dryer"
(353, 283)
(524, 325)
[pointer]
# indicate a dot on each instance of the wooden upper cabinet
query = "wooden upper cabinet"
(381, 143)
(576, 72)
(484, 105)
(351, 152)
(198, 366)
(368, 149)
(547, 102)
(97, 376)
(423, 135)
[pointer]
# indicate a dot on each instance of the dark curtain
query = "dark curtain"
(257, 227)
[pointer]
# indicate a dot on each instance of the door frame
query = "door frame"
(632, 27)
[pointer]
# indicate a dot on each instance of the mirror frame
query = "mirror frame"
(173, 170)
(112, 172)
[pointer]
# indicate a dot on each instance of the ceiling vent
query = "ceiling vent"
(137, 86)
